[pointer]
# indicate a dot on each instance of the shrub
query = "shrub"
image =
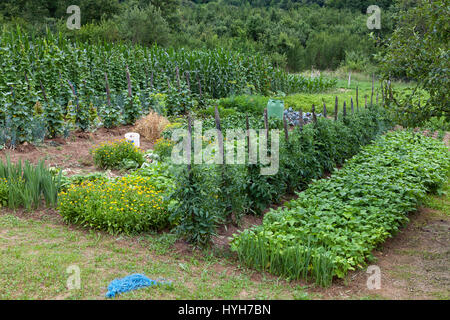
(163, 148)
(179, 101)
(196, 211)
(129, 204)
(117, 154)
(151, 126)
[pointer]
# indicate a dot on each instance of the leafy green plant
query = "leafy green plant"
(178, 101)
(333, 226)
(118, 154)
(124, 205)
(163, 148)
(196, 212)
(29, 185)
(3, 192)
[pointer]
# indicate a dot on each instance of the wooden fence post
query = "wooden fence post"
(219, 135)
(351, 104)
(286, 133)
(324, 110)
(189, 144)
(313, 110)
(248, 132)
(300, 122)
(345, 110)
(130, 92)
(373, 85)
(266, 124)
(357, 100)
(336, 108)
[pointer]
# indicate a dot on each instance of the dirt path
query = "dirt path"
(71, 153)
(414, 264)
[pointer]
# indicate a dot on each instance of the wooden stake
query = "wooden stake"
(219, 133)
(313, 110)
(300, 122)
(248, 131)
(336, 108)
(189, 146)
(345, 110)
(286, 133)
(324, 110)
(266, 124)
(357, 100)
(130, 93)
(373, 85)
(108, 93)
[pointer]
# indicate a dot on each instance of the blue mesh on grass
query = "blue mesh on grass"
(131, 282)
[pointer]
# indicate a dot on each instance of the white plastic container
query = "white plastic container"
(133, 137)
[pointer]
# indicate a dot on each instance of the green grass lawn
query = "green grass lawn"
(344, 92)
(34, 256)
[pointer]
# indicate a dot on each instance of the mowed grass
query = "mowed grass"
(34, 256)
(344, 92)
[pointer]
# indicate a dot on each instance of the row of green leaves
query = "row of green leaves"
(208, 195)
(335, 224)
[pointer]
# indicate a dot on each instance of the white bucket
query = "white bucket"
(133, 137)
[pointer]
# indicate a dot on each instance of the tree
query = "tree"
(419, 49)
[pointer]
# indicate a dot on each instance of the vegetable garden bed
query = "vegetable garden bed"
(336, 223)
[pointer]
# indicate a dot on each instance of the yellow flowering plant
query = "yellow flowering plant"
(129, 204)
(117, 155)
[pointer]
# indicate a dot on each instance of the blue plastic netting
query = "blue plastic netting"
(131, 282)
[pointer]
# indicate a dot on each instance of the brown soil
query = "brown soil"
(414, 264)
(72, 153)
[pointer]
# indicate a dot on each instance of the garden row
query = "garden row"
(195, 199)
(335, 224)
(51, 86)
